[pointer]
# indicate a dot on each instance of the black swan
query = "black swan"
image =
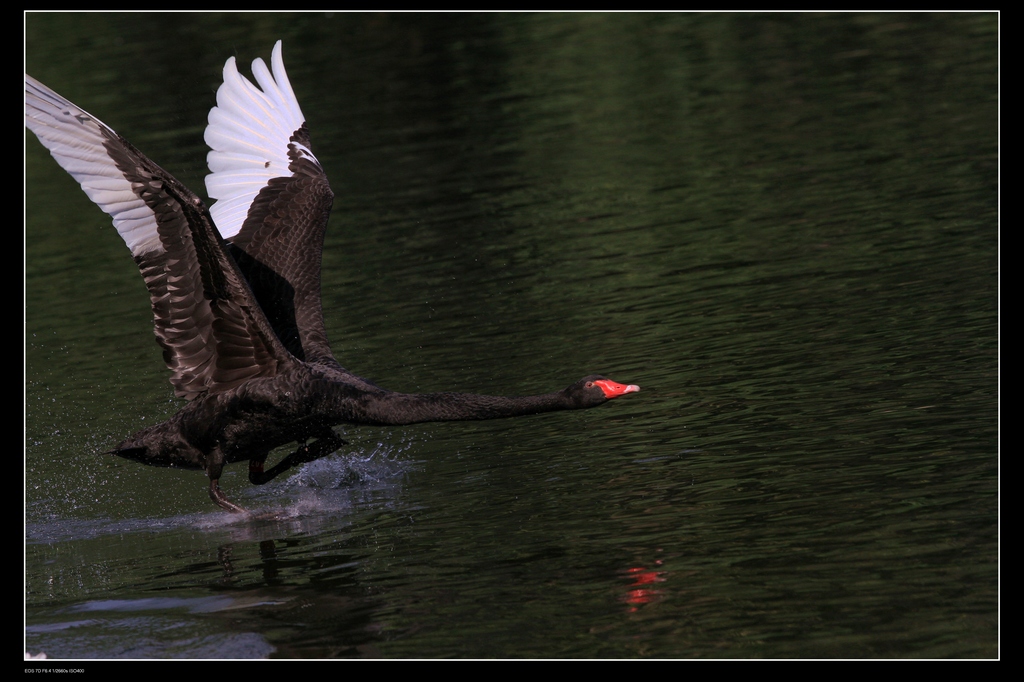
(235, 288)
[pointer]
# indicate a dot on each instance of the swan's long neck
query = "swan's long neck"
(412, 408)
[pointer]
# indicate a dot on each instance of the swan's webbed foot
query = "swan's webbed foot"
(328, 443)
(217, 495)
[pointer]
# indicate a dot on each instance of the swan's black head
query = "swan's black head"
(596, 389)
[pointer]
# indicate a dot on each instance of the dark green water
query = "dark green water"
(784, 227)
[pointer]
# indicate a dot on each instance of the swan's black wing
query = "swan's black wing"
(273, 200)
(213, 333)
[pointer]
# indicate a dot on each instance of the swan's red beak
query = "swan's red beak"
(614, 390)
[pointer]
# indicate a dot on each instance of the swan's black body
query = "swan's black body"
(235, 290)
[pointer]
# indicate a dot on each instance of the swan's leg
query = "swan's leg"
(213, 470)
(328, 443)
(217, 495)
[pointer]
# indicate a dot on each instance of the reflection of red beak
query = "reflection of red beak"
(614, 390)
(640, 594)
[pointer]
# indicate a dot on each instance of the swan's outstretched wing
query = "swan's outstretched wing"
(272, 200)
(212, 331)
